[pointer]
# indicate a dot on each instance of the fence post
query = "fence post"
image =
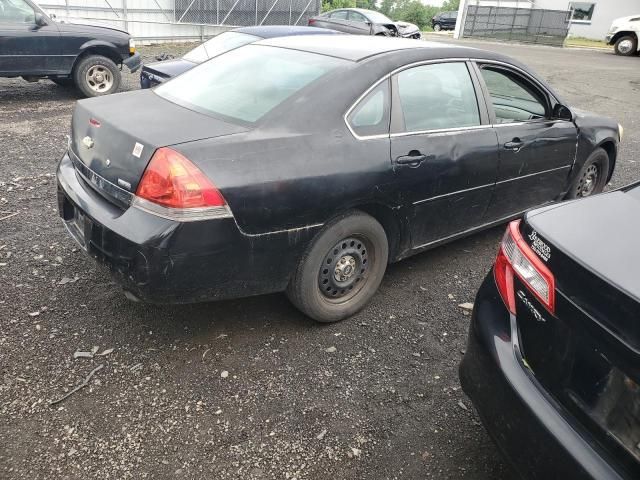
(217, 12)
(290, 10)
(125, 12)
(256, 22)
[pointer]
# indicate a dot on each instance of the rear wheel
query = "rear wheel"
(627, 45)
(437, 27)
(96, 75)
(592, 177)
(342, 269)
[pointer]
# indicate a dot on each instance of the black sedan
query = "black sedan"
(253, 173)
(359, 21)
(553, 362)
(154, 73)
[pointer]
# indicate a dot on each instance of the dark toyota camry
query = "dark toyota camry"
(155, 73)
(553, 362)
(308, 163)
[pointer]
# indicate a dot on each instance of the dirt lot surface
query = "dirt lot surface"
(246, 389)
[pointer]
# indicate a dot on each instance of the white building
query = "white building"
(590, 19)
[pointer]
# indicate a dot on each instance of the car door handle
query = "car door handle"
(413, 159)
(516, 144)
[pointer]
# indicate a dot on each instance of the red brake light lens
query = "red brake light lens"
(312, 21)
(171, 180)
(515, 256)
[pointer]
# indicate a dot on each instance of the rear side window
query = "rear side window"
(438, 96)
(513, 98)
(247, 83)
(371, 115)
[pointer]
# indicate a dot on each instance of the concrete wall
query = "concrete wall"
(603, 14)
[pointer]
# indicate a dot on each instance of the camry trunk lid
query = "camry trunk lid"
(115, 136)
(587, 353)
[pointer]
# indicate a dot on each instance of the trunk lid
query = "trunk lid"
(115, 136)
(587, 354)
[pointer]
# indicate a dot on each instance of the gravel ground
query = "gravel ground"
(250, 388)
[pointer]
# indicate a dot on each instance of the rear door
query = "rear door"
(26, 48)
(444, 151)
(536, 150)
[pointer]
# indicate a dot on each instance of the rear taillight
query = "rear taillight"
(172, 181)
(515, 256)
(312, 21)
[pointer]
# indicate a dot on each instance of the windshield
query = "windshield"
(247, 83)
(377, 17)
(219, 44)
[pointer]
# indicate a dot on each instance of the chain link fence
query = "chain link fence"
(529, 25)
(182, 20)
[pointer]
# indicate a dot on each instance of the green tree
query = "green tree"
(450, 5)
(333, 4)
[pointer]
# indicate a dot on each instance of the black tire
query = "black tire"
(342, 269)
(437, 27)
(102, 68)
(626, 45)
(63, 82)
(585, 184)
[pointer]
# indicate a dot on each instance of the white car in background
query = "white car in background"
(624, 34)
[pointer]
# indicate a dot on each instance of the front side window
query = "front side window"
(16, 11)
(219, 44)
(438, 96)
(377, 17)
(247, 83)
(513, 98)
(357, 17)
(371, 115)
(582, 11)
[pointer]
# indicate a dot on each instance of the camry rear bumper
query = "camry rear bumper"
(529, 427)
(159, 260)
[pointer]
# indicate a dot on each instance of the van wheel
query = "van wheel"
(96, 75)
(592, 177)
(342, 268)
(627, 45)
(437, 27)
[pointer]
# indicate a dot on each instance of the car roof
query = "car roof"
(359, 47)
(272, 31)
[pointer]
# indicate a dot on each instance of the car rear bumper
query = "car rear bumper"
(158, 260)
(534, 433)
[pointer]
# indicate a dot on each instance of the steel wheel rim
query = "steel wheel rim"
(625, 46)
(344, 269)
(99, 78)
(588, 181)
(437, 28)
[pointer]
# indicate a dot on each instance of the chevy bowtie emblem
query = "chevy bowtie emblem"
(88, 142)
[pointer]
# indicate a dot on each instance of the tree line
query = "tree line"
(412, 11)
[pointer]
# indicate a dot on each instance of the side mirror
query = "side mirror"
(41, 20)
(561, 112)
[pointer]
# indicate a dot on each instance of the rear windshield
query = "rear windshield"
(247, 83)
(220, 44)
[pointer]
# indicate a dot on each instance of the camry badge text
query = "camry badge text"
(534, 311)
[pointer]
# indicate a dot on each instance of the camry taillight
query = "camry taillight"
(172, 181)
(516, 257)
(312, 21)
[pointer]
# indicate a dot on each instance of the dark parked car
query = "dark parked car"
(364, 22)
(154, 73)
(444, 21)
(239, 187)
(33, 46)
(553, 361)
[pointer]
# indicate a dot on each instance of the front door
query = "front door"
(536, 151)
(443, 150)
(359, 24)
(25, 47)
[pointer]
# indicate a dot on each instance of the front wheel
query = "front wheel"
(627, 45)
(96, 75)
(437, 27)
(592, 177)
(342, 268)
